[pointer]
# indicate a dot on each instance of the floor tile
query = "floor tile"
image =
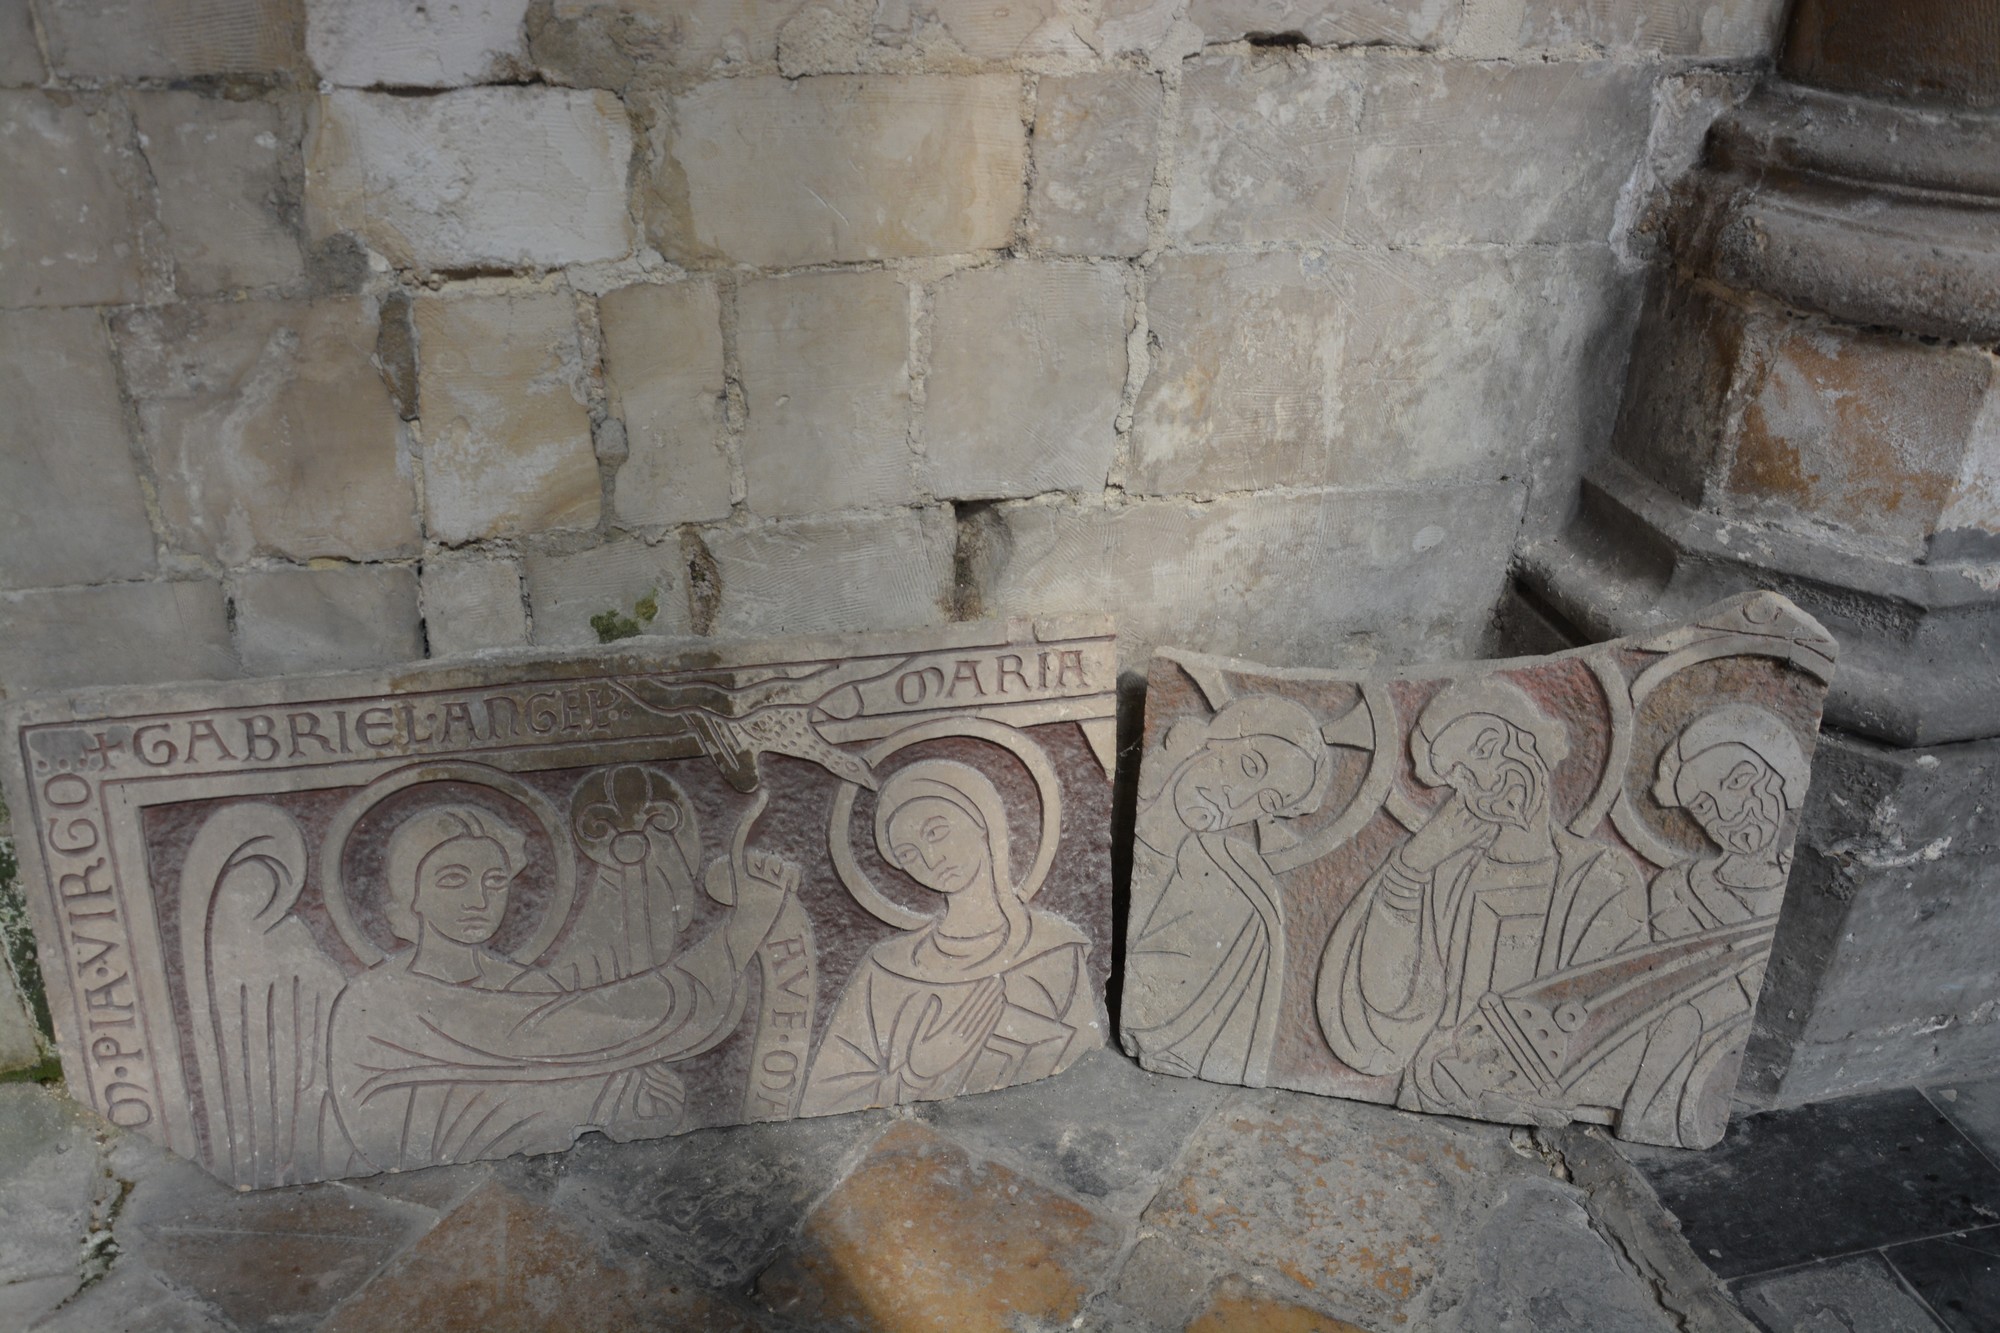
(1858, 1294)
(1958, 1275)
(1975, 1108)
(1788, 1187)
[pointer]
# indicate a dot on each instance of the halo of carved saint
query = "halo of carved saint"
(1560, 908)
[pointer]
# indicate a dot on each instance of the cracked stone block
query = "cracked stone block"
(386, 43)
(472, 602)
(131, 1298)
(703, 35)
(566, 591)
(172, 39)
(56, 1191)
(1534, 891)
(73, 239)
(663, 368)
(269, 430)
(1027, 373)
(70, 508)
(780, 171)
(882, 570)
(922, 1234)
(1338, 23)
(1857, 1292)
(1347, 150)
(709, 879)
(1731, 30)
(719, 1206)
(501, 1262)
(1287, 370)
(507, 445)
(478, 178)
(985, 31)
(1107, 1132)
(826, 379)
(1096, 136)
(114, 634)
(1363, 574)
(327, 619)
(20, 54)
(225, 200)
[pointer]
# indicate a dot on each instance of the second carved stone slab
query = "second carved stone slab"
(1530, 891)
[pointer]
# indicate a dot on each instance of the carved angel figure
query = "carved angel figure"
(445, 1050)
(1206, 960)
(987, 995)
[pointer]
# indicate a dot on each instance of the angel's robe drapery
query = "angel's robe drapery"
(864, 1058)
(427, 1071)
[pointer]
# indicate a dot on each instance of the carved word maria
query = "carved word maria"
(1059, 670)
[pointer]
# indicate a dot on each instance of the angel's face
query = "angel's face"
(462, 889)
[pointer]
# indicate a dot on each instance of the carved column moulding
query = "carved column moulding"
(1534, 891)
(1813, 403)
(308, 929)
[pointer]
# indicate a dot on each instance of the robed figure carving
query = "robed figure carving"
(1205, 962)
(990, 993)
(1488, 895)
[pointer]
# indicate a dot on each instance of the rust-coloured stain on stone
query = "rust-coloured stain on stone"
(922, 1236)
(1530, 891)
(1238, 1309)
(317, 929)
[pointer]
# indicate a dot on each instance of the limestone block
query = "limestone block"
(1731, 29)
(51, 1168)
(1095, 140)
(1532, 891)
(566, 591)
(290, 620)
(805, 171)
(386, 43)
(1350, 149)
(20, 55)
(71, 238)
(1412, 366)
(1027, 371)
(171, 39)
(1329, 22)
(479, 178)
(853, 571)
(986, 31)
(506, 435)
(826, 378)
(1536, 153)
(219, 167)
(663, 367)
(70, 508)
(1866, 431)
(704, 885)
(114, 634)
(1414, 573)
(702, 35)
(268, 429)
(472, 602)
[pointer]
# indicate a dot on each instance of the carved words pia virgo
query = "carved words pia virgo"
(309, 929)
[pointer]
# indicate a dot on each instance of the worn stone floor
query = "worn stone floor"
(1107, 1199)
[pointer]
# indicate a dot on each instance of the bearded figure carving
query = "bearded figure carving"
(1489, 895)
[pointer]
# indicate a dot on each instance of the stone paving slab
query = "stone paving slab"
(1221, 1211)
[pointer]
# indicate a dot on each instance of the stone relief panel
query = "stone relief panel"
(308, 930)
(1531, 891)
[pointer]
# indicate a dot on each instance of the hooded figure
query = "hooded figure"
(991, 993)
(1205, 960)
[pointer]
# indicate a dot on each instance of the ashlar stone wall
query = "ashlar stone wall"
(347, 332)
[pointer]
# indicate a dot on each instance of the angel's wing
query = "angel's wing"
(260, 991)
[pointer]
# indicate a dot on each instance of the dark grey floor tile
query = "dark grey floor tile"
(1788, 1187)
(1975, 1108)
(1858, 1294)
(1959, 1275)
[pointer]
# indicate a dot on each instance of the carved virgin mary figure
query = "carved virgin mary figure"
(992, 992)
(447, 1050)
